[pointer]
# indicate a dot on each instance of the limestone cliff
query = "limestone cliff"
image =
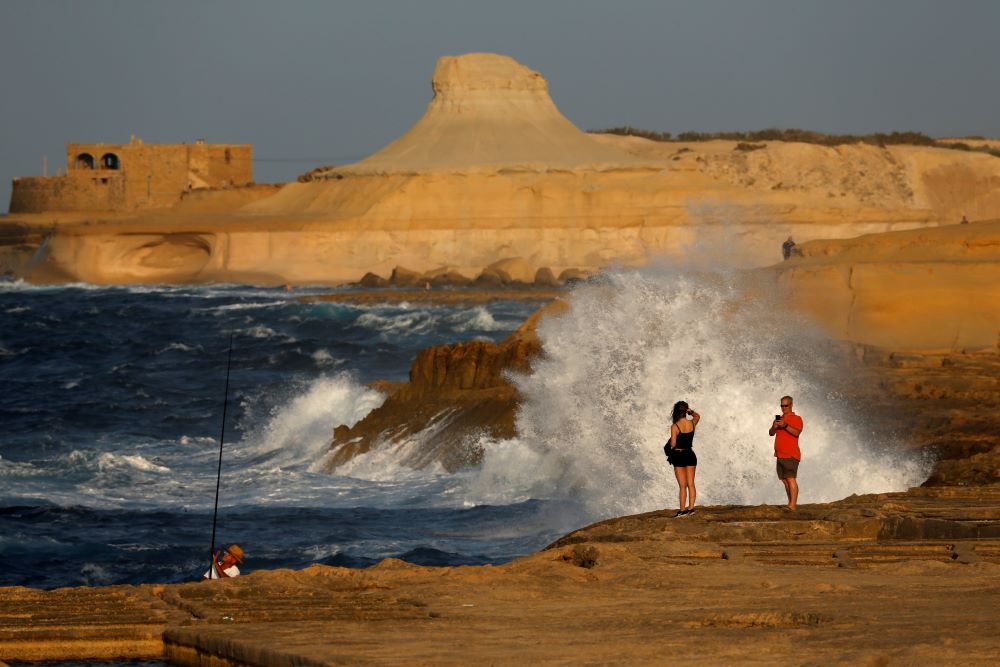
(493, 171)
(922, 289)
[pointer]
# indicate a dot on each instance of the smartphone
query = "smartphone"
(777, 417)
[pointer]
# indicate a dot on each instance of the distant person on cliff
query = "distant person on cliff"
(224, 564)
(786, 428)
(964, 220)
(787, 247)
(681, 455)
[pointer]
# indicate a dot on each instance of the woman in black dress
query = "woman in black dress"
(681, 455)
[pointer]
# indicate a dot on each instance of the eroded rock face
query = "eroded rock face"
(925, 289)
(457, 393)
(489, 112)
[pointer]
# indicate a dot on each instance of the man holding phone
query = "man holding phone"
(786, 429)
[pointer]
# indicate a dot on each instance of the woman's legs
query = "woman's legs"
(681, 484)
(689, 482)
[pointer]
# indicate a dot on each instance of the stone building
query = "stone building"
(132, 176)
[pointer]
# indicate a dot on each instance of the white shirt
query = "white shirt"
(232, 571)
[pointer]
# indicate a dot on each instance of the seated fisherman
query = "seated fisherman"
(224, 563)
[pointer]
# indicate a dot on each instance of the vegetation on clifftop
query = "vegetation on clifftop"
(909, 138)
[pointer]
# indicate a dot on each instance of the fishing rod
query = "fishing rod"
(222, 437)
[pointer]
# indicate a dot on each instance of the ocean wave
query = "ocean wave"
(410, 323)
(109, 461)
(595, 411)
(323, 358)
(6, 353)
(230, 307)
(263, 331)
(299, 429)
(196, 440)
(477, 319)
(180, 347)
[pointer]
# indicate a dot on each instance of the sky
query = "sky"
(313, 83)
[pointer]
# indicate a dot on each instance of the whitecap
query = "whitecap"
(477, 319)
(324, 358)
(181, 347)
(109, 461)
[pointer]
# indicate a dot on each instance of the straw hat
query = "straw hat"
(236, 552)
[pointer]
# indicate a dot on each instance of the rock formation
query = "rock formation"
(458, 391)
(926, 289)
(494, 172)
(870, 580)
(489, 113)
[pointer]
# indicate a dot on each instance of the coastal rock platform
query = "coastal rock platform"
(906, 577)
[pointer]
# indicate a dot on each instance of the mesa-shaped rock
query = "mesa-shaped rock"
(489, 113)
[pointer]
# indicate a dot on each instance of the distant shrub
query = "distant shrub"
(748, 139)
(629, 131)
(744, 146)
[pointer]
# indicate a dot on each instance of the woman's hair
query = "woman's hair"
(680, 409)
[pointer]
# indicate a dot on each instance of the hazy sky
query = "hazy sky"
(313, 83)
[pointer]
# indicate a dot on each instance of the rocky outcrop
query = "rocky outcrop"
(927, 289)
(455, 394)
(878, 579)
(488, 113)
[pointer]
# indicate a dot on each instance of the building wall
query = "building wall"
(67, 193)
(133, 176)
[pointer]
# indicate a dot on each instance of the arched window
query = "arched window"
(110, 161)
(84, 161)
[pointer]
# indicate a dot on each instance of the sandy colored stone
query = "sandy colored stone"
(493, 171)
(459, 392)
(644, 589)
(926, 289)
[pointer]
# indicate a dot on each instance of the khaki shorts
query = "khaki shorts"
(787, 468)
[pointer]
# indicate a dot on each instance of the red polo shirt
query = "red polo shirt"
(786, 445)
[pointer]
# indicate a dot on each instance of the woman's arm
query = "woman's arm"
(674, 430)
(695, 418)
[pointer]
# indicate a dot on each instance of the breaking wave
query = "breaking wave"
(596, 411)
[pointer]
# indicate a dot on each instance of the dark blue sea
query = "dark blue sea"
(113, 399)
(112, 414)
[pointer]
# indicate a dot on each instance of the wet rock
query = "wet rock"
(403, 277)
(490, 278)
(573, 276)
(449, 279)
(373, 280)
(513, 268)
(545, 278)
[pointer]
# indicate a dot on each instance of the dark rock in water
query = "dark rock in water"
(373, 280)
(490, 278)
(460, 390)
(545, 278)
(573, 276)
(403, 277)
(449, 279)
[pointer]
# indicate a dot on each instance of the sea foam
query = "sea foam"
(596, 410)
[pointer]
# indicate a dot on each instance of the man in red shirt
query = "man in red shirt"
(786, 429)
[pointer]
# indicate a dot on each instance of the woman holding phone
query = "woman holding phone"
(681, 454)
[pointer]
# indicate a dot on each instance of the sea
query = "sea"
(116, 406)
